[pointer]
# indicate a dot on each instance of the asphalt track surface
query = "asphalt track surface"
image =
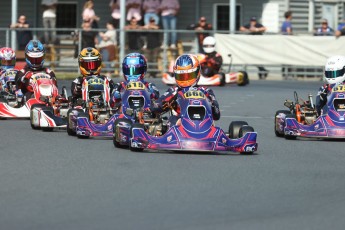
(54, 181)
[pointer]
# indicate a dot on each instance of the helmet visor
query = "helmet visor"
(91, 65)
(133, 70)
(36, 60)
(186, 75)
(334, 73)
(8, 62)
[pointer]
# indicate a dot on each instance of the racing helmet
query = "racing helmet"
(90, 61)
(7, 58)
(335, 69)
(186, 70)
(34, 54)
(209, 44)
(134, 67)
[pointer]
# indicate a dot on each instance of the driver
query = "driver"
(34, 58)
(134, 68)
(187, 73)
(210, 66)
(90, 65)
(334, 75)
(8, 61)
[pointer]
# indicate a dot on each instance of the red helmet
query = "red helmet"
(7, 58)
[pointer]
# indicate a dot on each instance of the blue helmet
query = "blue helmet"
(34, 54)
(134, 67)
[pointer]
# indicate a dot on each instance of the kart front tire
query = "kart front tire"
(86, 115)
(234, 128)
(31, 109)
(275, 121)
(135, 149)
(243, 131)
(222, 79)
(70, 131)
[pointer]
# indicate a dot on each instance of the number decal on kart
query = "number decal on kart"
(11, 73)
(135, 85)
(192, 94)
(37, 76)
(339, 88)
(96, 81)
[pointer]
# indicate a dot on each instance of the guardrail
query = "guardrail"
(61, 56)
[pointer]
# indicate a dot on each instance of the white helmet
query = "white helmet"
(209, 44)
(335, 69)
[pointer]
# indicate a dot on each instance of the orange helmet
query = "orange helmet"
(186, 70)
(90, 61)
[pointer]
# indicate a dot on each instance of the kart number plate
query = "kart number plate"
(339, 88)
(135, 86)
(194, 94)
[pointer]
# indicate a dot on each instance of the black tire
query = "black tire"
(222, 79)
(275, 121)
(234, 128)
(70, 131)
(137, 125)
(117, 121)
(245, 79)
(287, 136)
(32, 107)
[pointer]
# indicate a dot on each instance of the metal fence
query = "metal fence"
(61, 56)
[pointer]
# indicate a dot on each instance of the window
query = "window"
(222, 16)
(66, 16)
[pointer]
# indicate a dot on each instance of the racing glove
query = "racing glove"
(323, 93)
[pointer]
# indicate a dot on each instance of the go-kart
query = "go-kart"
(42, 87)
(240, 78)
(94, 106)
(301, 119)
(52, 114)
(195, 130)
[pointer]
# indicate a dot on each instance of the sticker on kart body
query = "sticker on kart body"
(96, 81)
(194, 94)
(135, 85)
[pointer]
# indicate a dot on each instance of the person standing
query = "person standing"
(151, 10)
(286, 28)
(89, 14)
(49, 20)
(88, 37)
(324, 29)
(115, 12)
(340, 29)
(133, 8)
(201, 27)
(134, 41)
(23, 36)
(169, 10)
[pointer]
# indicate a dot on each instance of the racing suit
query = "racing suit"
(321, 97)
(211, 64)
(76, 86)
(168, 101)
(119, 87)
(23, 76)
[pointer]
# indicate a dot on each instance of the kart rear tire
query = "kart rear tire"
(245, 79)
(32, 107)
(86, 115)
(117, 121)
(287, 136)
(135, 149)
(243, 130)
(234, 128)
(275, 121)
(222, 79)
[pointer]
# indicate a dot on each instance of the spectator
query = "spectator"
(107, 46)
(88, 37)
(255, 28)
(134, 40)
(341, 29)
(152, 48)
(49, 20)
(151, 10)
(90, 15)
(23, 36)
(169, 10)
(133, 8)
(115, 12)
(287, 26)
(200, 27)
(324, 29)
